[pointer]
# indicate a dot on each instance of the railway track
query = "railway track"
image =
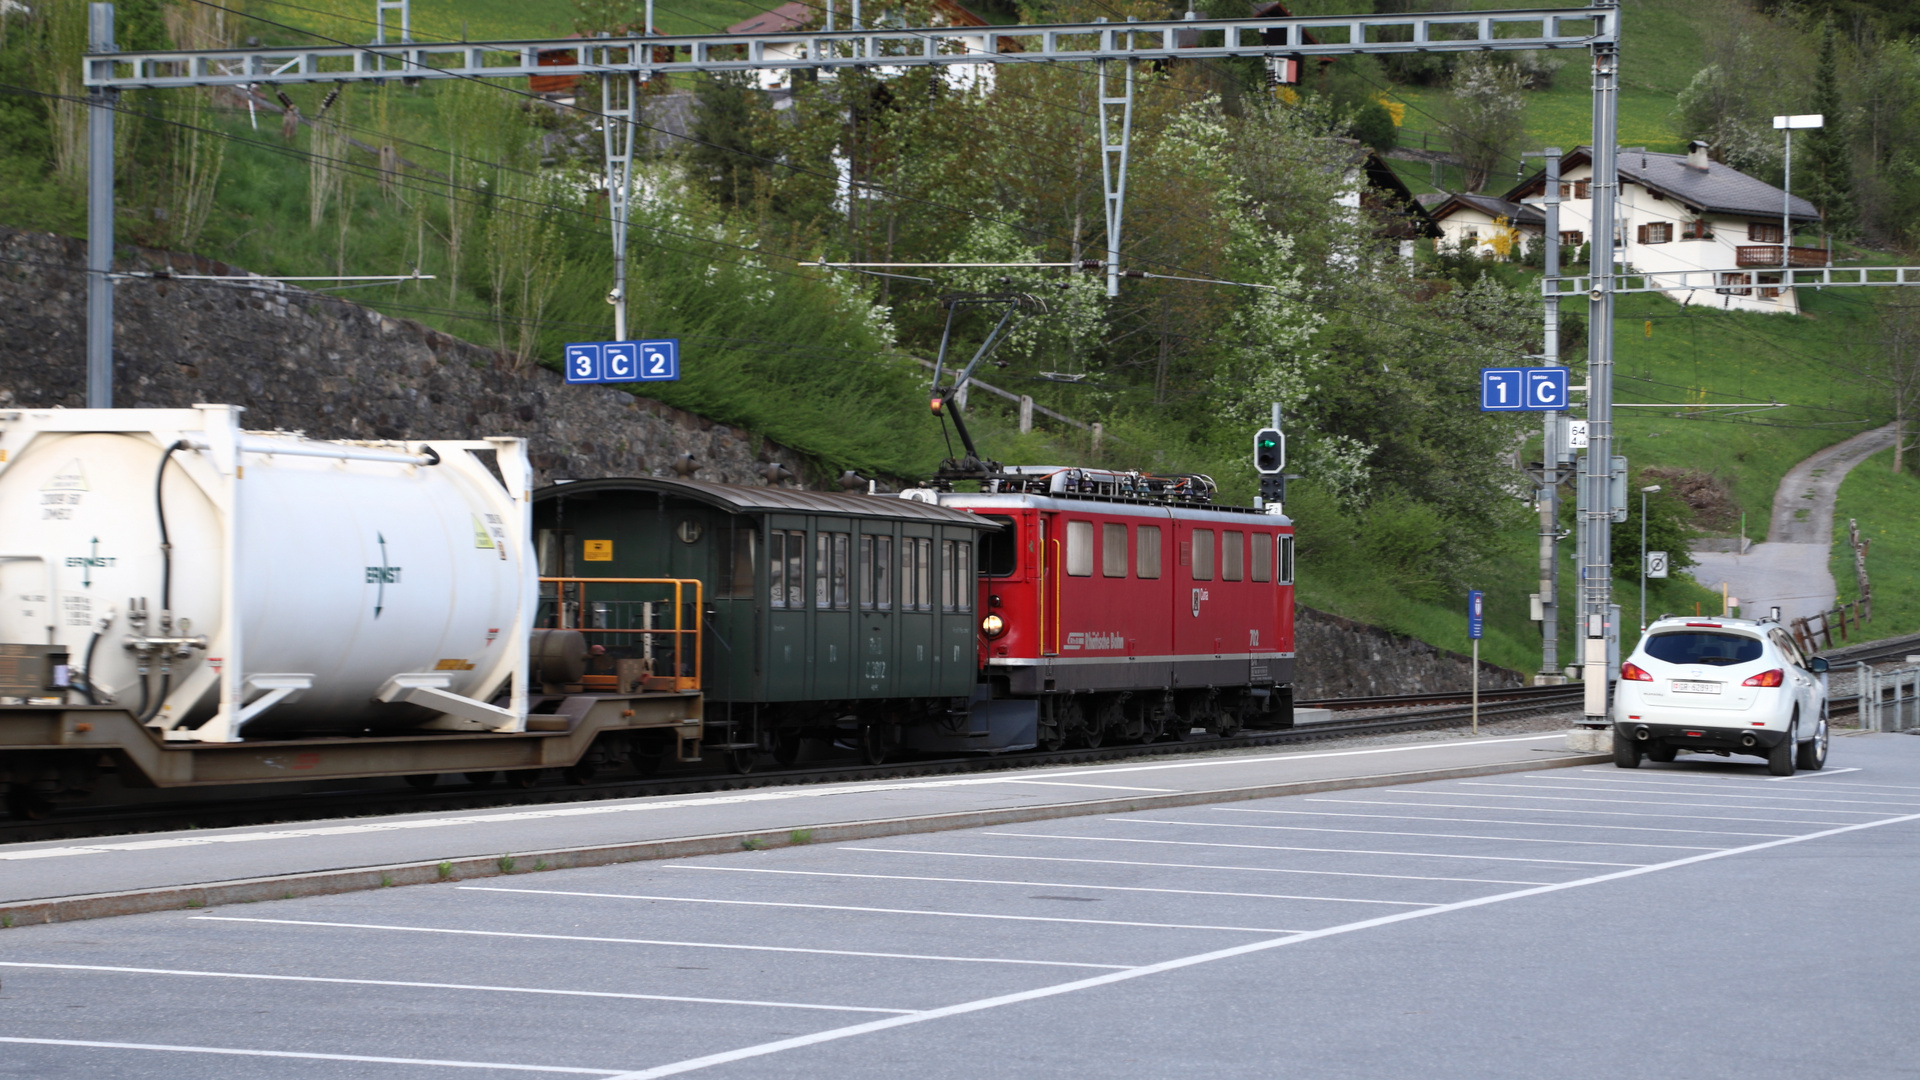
(1398, 713)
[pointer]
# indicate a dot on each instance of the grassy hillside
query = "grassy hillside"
(1887, 506)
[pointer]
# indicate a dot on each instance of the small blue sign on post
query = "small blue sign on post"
(1475, 623)
(1541, 389)
(623, 361)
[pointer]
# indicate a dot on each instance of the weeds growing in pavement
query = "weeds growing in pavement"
(446, 871)
(506, 864)
(800, 836)
(753, 843)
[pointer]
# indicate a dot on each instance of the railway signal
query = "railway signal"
(1270, 461)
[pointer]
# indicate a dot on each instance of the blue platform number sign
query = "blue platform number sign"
(1474, 621)
(623, 361)
(1542, 389)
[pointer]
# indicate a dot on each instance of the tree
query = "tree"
(1485, 115)
(728, 156)
(1669, 529)
(1895, 371)
(1373, 125)
(1829, 153)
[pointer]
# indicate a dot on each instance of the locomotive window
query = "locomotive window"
(1113, 551)
(922, 573)
(786, 569)
(1203, 554)
(1000, 549)
(1286, 559)
(1079, 549)
(876, 573)
(1262, 557)
(830, 570)
(1232, 555)
(1146, 552)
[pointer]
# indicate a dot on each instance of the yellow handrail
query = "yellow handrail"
(676, 681)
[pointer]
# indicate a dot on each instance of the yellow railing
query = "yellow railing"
(570, 612)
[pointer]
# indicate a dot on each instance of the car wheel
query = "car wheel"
(1812, 755)
(1626, 752)
(1780, 761)
(1662, 753)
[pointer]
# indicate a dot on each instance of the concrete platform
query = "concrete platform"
(57, 881)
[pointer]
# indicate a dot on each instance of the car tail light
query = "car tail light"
(1634, 672)
(1767, 678)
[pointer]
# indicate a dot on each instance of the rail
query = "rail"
(624, 623)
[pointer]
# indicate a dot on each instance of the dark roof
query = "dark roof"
(1720, 189)
(742, 499)
(1516, 213)
(1382, 178)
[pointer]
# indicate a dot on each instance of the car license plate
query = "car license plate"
(1695, 687)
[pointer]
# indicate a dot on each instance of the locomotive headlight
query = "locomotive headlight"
(993, 626)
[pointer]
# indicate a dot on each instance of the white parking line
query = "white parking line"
(649, 941)
(1191, 866)
(1809, 775)
(1438, 836)
(447, 986)
(816, 1038)
(1328, 851)
(1695, 787)
(874, 910)
(1101, 787)
(363, 1058)
(1712, 795)
(1496, 821)
(1554, 810)
(1650, 802)
(1044, 885)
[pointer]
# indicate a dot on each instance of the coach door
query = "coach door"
(878, 670)
(784, 665)
(832, 662)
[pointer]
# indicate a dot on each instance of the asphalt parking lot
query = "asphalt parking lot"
(1693, 920)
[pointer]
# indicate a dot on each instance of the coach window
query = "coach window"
(999, 548)
(736, 550)
(1146, 552)
(1285, 575)
(1113, 550)
(1232, 555)
(1260, 561)
(786, 568)
(1079, 549)
(922, 598)
(876, 573)
(956, 577)
(1203, 554)
(830, 570)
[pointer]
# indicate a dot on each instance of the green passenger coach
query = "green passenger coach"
(840, 616)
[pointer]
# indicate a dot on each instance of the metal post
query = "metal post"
(618, 99)
(1113, 155)
(1552, 440)
(1476, 687)
(1786, 213)
(380, 9)
(101, 104)
(1596, 571)
(1643, 562)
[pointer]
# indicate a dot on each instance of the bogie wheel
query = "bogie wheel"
(1780, 759)
(1662, 753)
(1232, 719)
(1050, 740)
(480, 779)
(1626, 752)
(786, 747)
(741, 762)
(423, 781)
(873, 744)
(578, 774)
(522, 779)
(1812, 755)
(1092, 735)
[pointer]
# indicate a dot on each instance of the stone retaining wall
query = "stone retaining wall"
(1337, 657)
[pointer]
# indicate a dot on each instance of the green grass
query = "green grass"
(1887, 506)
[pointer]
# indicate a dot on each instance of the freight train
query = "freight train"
(191, 605)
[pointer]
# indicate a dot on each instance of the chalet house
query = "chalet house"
(1373, 185)
(1683, 212)
(1491, 227)
(798, 16)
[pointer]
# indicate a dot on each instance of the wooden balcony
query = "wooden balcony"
(1768, 255)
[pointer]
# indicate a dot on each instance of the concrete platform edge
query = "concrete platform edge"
(357, 879)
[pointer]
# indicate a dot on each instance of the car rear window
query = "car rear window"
(1698, 647)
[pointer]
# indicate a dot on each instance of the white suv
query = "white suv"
(1721, 686)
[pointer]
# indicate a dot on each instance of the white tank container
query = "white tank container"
(313, 587)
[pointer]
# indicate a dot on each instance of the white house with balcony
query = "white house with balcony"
(1491, 227)
(944, 15)
(1683, 212)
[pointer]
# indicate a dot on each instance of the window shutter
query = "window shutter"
(1641, 234)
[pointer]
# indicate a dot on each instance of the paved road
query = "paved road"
(1791, 567)
(1697, 920)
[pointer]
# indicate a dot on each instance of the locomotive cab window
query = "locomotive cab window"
(1113, 550)
(1203, 554)
(1285, 567)
(1232, 555)
(1079, 549)
(1146, 552)
(786, 569)
(1000, 549)
(1260, 557)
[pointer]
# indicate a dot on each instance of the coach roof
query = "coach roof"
(741, 499)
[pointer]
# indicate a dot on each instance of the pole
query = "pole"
(1551, 441)
(1786, 208)
(1643, 562)
(1476, 687)
(101, 104)
(1596, 571)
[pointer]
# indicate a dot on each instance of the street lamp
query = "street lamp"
(1644, 492)
(1787, 125)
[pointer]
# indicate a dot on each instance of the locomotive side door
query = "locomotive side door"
(1048, 554)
